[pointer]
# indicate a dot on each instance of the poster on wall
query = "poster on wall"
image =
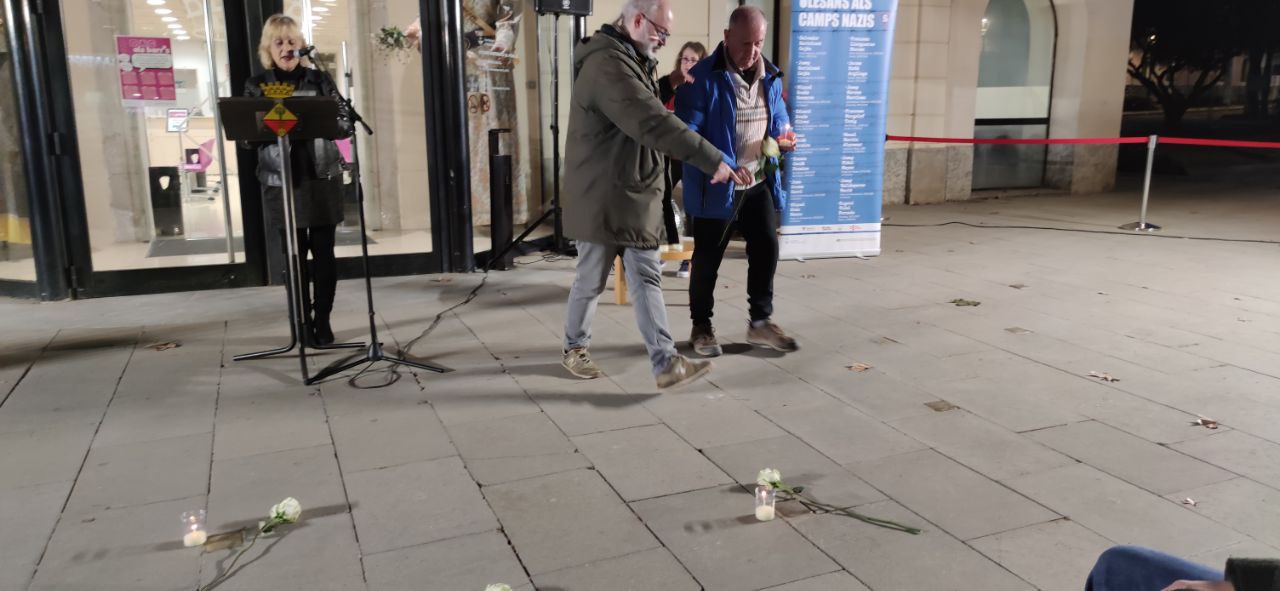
(146, 71)
(838, 94)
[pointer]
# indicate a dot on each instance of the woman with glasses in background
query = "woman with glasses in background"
(690, 54)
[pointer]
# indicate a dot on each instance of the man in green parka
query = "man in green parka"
(619, 132)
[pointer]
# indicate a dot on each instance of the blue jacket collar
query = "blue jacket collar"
(720, 63)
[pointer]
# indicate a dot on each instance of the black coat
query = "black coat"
(317, 165)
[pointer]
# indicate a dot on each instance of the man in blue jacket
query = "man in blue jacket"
(736, 103)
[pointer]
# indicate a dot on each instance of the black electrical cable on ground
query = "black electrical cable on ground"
(435, 323)
(1080, 230)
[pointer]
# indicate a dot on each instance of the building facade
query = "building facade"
(111, 187)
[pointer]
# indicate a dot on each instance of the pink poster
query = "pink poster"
(146, 71)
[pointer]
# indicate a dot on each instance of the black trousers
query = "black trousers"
(757, 221)
(320, 274)
(675, 172)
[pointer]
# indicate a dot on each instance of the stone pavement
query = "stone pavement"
(980, 424)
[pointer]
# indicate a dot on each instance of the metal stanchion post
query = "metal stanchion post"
(1141, 225)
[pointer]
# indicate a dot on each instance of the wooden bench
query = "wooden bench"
(620, 275)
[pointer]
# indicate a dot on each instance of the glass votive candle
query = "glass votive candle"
(193, 532)
(766, 496)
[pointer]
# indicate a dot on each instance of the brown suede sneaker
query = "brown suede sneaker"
(681, 371)
(769, 335)
(703, 340)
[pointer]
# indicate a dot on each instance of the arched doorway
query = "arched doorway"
(1015, 76)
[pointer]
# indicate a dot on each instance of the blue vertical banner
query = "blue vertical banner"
(838, 97)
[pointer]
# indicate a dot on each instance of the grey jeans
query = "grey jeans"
(644, 279)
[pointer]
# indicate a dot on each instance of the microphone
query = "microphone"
(304, 52)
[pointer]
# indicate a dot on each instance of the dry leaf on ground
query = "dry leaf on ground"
(941, 406)
(1205, 422)
(165, 346)
(963, 302)
(858, 367)
(1106, 377)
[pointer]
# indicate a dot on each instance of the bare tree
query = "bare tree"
(1184, 48)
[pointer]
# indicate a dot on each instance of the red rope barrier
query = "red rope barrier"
(952, 140)
(1115, 140)
(1223, 143)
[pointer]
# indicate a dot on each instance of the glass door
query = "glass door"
(160, 185)
(1014, 77)
(504, 45)
(17, 258)
(369, 41)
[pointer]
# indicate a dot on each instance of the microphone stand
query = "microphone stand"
(373, 353)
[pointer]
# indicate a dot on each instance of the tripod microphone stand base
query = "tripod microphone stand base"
(374, 354)
(294, 340)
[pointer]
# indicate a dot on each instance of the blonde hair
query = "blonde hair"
(278, 25)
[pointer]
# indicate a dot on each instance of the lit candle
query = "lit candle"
(194, 538)
(765, 498)
(193, 533)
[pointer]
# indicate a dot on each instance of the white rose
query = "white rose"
(498, 587)
(768, 476)
(770, 148)
(288, 511)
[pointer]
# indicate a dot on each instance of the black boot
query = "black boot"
(321, 331)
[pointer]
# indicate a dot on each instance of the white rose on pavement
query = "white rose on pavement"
(288, 511)
(768, 477)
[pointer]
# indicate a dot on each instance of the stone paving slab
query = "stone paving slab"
(156, 416)
(521, 435)
(170, 469)
(712, 420)
(981, 445)
(565, 520)
(130, 548)
(715, 534)
(586, 407)
(499, 470)
(642, 571)
(646, 462)
(317, 553)
(1129, 458)
(1122, 512)
(269, 422)
(1238, 452)
(838, 581)
(242, 490)
(1240, 503)
(415, 504)
(885, 559)
(1247, 548)
(500, 433)
(27, 521)
(1004, 401)
(1073, 550)
(841, 432)
(366, 440)
(824, 479)
(61, 454)
(466, 562)
(964, 503)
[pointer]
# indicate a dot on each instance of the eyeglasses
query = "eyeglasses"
(663, 33)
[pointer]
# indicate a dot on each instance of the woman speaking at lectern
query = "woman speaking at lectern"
(317, 176)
